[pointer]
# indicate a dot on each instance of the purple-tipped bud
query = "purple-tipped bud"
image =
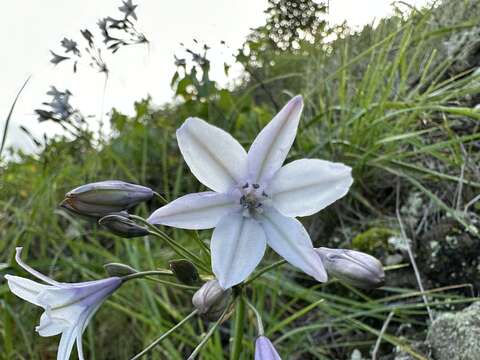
(105, 197)
(211, 300)
(264, 349)
(353, 267)
(122, 226)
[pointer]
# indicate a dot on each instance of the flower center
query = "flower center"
(252, 199)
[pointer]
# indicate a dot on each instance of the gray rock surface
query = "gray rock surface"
(456, 335)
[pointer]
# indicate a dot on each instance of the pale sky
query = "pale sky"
(32, 27)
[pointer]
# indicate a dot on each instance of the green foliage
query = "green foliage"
(389, 101)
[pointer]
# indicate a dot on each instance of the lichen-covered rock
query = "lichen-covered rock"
(456, 335)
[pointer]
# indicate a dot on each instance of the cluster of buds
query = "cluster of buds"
(108, 202)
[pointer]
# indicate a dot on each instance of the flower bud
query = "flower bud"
(264, 349)
(118, 269)
(185, 271)
(211, 300)
(105, 197)
(121, 225)
(353, 267)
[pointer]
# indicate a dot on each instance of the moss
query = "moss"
(372, 239)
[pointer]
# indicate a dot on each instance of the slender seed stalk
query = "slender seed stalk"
(238, 330)
(164, 336)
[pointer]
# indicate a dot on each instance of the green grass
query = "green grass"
(384, 101)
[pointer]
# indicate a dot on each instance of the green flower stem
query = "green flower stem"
(201, 243)
(238, 330)
(165, 201)
(260, 328)
(208, 334)
(174, 284)
(147, 275)
(179, 249)
(264, 270)
(141, 274)
(164, 336)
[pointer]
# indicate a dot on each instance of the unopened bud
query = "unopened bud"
(121, 225)
(264, 349)
(185, 271)
(118, 269)
(353, 267)
(211, 300)
(105, 197)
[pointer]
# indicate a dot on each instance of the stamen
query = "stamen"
(243, 200)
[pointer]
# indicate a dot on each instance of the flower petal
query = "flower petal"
(238, 244)
(194, 211)
(37, 274)
(82, 294)
(66, 343)
(51, 326)
(82, 326)
(288, 238)
(304, 187)
(26, 289)
(264, 349)
(80, 347)
(269, 150)
(215, 158)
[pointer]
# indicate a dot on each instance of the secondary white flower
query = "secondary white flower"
(254, 200)
(68, 307)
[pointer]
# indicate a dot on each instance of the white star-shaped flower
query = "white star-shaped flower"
(254, 200)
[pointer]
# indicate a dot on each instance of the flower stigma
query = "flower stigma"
(252, 200)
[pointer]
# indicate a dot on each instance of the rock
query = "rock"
(420, 347)
(447, 254)
(456, 335)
